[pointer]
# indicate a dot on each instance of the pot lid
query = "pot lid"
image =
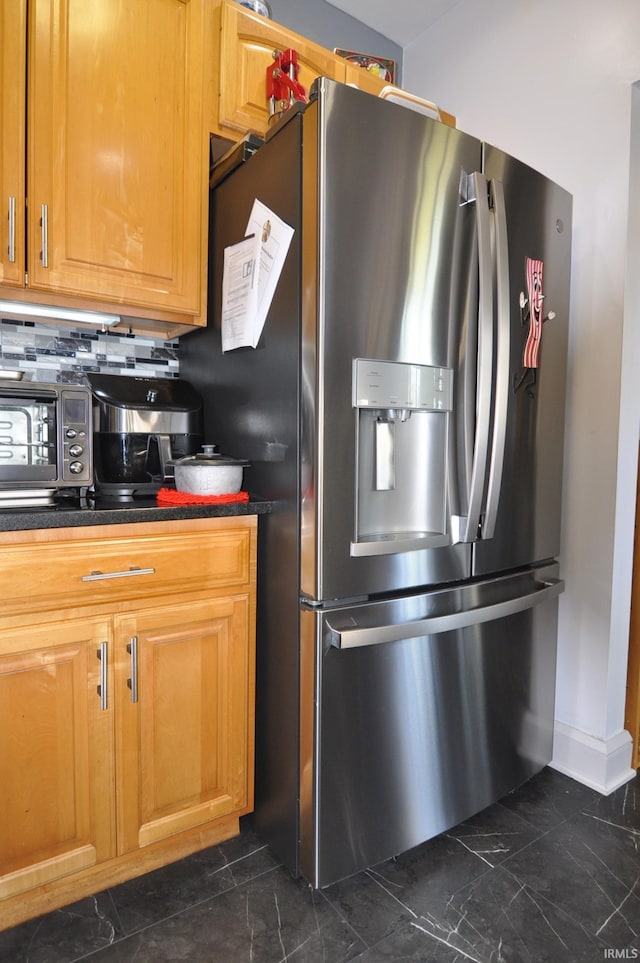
(209, 456)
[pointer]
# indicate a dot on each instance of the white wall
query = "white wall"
(551, 83)
(326, 25)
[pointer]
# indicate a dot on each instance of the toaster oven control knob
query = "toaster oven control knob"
(76, 467)
(71, 433)
(75, 450)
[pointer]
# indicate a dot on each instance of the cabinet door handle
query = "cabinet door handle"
(132, 682)
(134, 570)
(12, 230)
(44, 226)
(102, 688)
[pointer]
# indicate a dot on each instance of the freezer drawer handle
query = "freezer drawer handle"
(375, 635)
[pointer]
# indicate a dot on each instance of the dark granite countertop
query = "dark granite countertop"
(147, 510)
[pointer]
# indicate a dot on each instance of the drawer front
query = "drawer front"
(93, 570)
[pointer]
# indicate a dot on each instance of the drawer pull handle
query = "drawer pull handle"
(102, 688)
(134, 570)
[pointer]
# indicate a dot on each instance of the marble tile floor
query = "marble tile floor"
(550, 874)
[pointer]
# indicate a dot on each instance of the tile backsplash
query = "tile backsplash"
(54, 353)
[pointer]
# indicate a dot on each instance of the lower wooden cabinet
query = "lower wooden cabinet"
(126, 722)
(183, 740)
(57, 772)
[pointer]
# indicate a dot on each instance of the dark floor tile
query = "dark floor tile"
(166, 891)
(410, 944)
(549, 798)
(268, 919)
(494, 834)
(247, 855)
(493, 919)
(590, 869)
(551, 873)
(63, 935)
(621, 808)
(397, 891)
(370, 906)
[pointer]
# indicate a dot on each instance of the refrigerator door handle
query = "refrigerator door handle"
(503, 352)
(358, 636)
(469, 531)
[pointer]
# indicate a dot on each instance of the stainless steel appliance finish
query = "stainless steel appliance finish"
(408, 605)
(45, 438)
(424, 710)
(142, 425)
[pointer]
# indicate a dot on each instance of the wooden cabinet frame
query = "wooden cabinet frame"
(114, 206)
(245, 45)
(146, 759)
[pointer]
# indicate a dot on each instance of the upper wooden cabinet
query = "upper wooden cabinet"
(247, 43)
(13, 31)
(105, 114)
(117, 146)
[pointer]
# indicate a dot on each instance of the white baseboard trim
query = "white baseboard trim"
(601, 764)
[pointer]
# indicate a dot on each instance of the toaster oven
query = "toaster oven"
(45, 436)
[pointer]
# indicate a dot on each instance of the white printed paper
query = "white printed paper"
(240, 293)
(251, 271)
(275, 237)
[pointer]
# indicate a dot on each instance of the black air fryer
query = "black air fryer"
(141, 425)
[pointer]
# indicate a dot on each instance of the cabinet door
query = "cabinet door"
(185, 718)
(118, 151)
(13, 40)
(56, 753)
(247, 42)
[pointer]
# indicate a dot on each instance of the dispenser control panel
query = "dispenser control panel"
(394, 384)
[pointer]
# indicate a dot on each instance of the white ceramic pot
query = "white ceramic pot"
(208, 473)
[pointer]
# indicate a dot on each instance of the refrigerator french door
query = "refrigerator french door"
(389, 265)
(528, 417)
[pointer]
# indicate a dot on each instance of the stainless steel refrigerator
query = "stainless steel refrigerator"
(403, 410)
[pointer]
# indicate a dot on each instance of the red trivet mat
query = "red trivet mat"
(170, 496)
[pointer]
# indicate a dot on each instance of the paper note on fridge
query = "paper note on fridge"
(275, 237)
(240, 293)
(251, 270)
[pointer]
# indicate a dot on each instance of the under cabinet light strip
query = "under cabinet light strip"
(22, 310)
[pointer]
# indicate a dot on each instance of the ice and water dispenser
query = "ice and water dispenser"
(402, 428)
